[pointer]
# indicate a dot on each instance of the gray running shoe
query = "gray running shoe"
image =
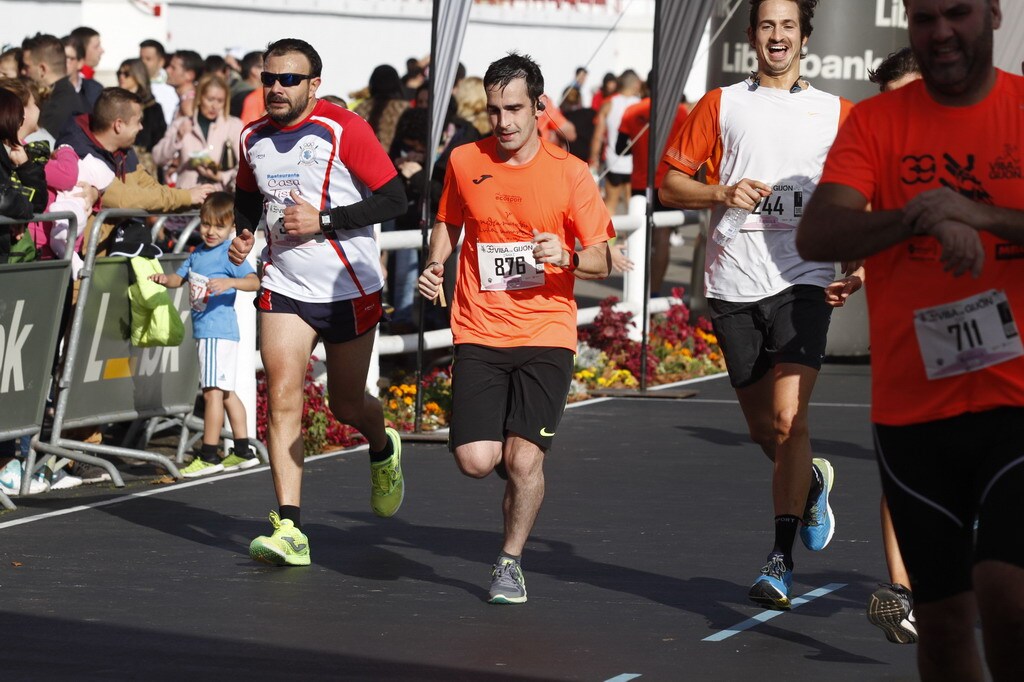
(507, 583)
(891, 608)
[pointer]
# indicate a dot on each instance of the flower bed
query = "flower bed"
(606, 358)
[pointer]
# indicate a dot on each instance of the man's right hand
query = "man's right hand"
(430, 281)
(746, 194)
(199, 193)
(240, 247)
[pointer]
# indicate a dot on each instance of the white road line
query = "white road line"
(768, 615)
(162, 490)
(722, 401)
(624, 677)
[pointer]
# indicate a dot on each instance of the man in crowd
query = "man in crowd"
(938, 163)
(93, 48)
(251, 67)
(153, 55)
(183, 71)
(770, 308)
(46, 64)
(513, 315)
(74, 55)
(108, 134)
(325, 181)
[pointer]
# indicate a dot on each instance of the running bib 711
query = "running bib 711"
(967, 335)
(509, 266)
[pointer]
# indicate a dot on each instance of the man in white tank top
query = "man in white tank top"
(765, 141)
(606, 129)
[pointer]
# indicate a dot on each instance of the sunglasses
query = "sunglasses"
(287, 80)
(124, 74)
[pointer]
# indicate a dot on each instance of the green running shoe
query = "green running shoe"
(286, 546)
(387, 482)
(200, 467)
(234, 462)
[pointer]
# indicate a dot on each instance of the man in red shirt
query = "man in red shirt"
(939, 163)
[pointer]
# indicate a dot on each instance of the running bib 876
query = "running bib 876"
(509, 266)
(967, 335)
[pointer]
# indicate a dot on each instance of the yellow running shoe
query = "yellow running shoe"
(286, 546)
(386, 480)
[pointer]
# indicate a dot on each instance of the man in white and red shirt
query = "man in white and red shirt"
(764, 142)
(315, 177)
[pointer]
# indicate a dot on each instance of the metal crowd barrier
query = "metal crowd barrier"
(32, 297)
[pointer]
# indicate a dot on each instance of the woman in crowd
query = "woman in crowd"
(203, 148)
(133, 76)
(385, 104)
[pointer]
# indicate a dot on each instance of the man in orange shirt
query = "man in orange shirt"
(939, 162)
(524, 203)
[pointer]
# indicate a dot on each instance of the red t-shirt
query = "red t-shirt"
(633, 121)
(932, 333)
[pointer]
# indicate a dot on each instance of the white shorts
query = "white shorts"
(217, 360)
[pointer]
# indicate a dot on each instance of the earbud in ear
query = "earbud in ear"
(540, 105)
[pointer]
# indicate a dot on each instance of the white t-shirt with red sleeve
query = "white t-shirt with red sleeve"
(332, 158)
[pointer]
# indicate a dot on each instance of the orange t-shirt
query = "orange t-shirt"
(893, 147)
(500, 206)
(633, 121)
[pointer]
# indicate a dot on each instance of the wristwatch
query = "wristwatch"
(327, 224)
(574, 262)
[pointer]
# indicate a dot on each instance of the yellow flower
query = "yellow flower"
(407, 400)
(392, 405)
(686, 353)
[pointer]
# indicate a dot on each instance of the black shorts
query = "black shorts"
(617, 179)
(334, 322)
(791, 326)
(502, 391)
(942, 477)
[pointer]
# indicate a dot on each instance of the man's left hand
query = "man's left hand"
(302, 217)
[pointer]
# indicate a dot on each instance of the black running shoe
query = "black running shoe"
(891, 608)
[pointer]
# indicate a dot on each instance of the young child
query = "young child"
(212, 281)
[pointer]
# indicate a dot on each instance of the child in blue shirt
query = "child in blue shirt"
(212, 281)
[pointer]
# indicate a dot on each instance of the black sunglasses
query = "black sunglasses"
(124, 73)
(285, 79)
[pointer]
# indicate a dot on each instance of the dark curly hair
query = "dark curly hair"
(806, 8)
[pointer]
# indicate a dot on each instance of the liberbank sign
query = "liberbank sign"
(850, 37)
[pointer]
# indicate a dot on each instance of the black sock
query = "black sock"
(209, 453)
(292, 513)
(817, 485)
(786, 526)
(389, 449)
(242, 447)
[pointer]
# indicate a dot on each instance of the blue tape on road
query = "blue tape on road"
(768, 615)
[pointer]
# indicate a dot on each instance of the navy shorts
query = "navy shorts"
(955, 488)
(791, 326)
(335, 321)
(502, 391)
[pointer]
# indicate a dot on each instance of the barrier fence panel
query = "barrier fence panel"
(104, 378)
(32, 297)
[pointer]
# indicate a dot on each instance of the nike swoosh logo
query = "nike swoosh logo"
(482, 178)
(297, 548)
(547, 434)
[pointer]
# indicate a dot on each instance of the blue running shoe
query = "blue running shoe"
(819, 524)
(771, 590)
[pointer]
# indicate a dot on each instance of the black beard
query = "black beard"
(288, 117)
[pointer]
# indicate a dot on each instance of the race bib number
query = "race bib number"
(781, 210)
(198, 291)
(968, 335)
(510, 266)
(275, 219)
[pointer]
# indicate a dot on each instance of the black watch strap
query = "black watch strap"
(327, 224)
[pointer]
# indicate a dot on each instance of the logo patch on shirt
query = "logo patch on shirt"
(1007, 166)
(307, 154)
(918, 169)
(1008, 251)
(477, 181)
